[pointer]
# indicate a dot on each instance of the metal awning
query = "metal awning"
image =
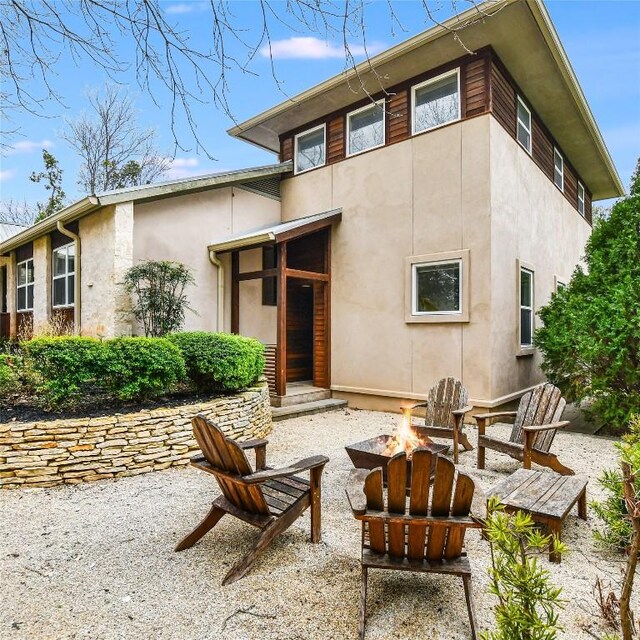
(274, 234)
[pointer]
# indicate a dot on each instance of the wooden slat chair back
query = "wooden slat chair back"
(445, 408)
(270, 499)
(424, 532)
(535, 425)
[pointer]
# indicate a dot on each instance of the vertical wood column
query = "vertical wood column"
(281, 347)
(235, 292)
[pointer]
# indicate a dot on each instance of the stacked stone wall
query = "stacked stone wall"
(70, 451)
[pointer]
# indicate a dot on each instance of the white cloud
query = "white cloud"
(178, 163)
(184, 7)
(6, 174)
(313, 48)
(184, 168)
(28, 146)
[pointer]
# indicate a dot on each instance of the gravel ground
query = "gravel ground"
(96, 561)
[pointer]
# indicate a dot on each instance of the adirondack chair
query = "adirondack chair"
(426, 537)
(445, 409)
(270, 499)
(535, 425)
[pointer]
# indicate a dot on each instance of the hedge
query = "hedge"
(220, 361)
(8, 375)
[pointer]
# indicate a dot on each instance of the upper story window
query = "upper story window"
(24, 285)
(558, 169)
(524, 125)
(580, 198)
(310, 149)
(365, 128)
(526, 307)
(64, 275)
(436, 101)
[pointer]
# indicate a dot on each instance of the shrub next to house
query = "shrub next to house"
(220, 361)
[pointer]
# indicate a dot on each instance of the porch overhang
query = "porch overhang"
(275, 234)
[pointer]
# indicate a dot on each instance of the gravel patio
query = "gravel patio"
(97, 560)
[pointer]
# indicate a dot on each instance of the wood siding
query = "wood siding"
(398, 127)
(475, 91)
(320, 335)
(299, 332)
(5, 322)
(503, 99)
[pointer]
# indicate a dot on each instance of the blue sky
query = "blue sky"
(602, 39)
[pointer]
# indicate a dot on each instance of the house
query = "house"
(424, 206)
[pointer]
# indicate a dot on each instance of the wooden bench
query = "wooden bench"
(547, 496)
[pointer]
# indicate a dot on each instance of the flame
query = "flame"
(404, 438)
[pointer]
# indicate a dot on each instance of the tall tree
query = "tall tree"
(52, 178)
(115, 151)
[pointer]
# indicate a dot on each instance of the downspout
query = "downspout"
(213, 258)
(77, 322)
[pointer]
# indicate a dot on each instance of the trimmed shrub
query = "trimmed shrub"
(9, 381)
(138, 368)
(63, 366)
(220, 361)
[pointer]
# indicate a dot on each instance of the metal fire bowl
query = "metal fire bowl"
(368, 454)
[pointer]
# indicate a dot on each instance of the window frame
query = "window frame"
(426, 83)
(65, 275)
(525, 349)
(557, 154)
(412, 262)
(377, 104)
(584, 199)
(25, 286)
(528, 129)
(322, 126)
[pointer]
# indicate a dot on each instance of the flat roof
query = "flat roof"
(524, 38)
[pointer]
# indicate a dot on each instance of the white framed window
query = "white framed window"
(526, 307)
(558, 169)
(523, 124)
(580, 198)
(436, 102)
(310, 149)
(365, 128)
(24, 285)
(64, 276)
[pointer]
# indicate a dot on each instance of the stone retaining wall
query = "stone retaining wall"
(70, 451)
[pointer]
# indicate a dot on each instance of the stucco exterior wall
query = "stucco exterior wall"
(41, 282)
(531, 222)
(428, 194)
(180, 229)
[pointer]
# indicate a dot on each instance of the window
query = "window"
(64, 275)
(526, 307)
(558, 169)
(524, 125)
(580, 198)
(365, 128)
(437, 287)
(436, 101)
(24, 285)
(310, 149)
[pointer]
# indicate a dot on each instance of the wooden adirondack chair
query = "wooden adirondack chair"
(536, 422)
(270, 499)
(445, 409)
(426, 537)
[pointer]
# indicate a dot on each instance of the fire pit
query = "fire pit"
(376, 452)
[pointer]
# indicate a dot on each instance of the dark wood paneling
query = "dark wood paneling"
(269, 285)
(320, 336)
(5, 322)
(475, 91)
(270, 367)
(286, 149)
(59, 239)
(570, 184)
(24, 252)
(398, 126)
(235, 292)
(307, 253)
(300, 327)
(542, 147)
(335, 140)
(503, 99)
(588, 208)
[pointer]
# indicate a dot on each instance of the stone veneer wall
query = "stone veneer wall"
(70, 451)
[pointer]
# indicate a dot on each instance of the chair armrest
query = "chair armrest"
(463, 411)
(547, 427)
(253, 444)
(355, 490)
(272, 474)
(417, 405)
(496, 414)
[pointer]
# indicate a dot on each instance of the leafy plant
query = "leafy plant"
(527, 602)
(139, 368)
(220, 361)
(9, 376)
(590, 340)
(160, 300)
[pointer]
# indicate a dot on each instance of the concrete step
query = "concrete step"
(300, 395)
(307, 409)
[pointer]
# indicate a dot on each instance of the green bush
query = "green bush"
(9, 377)
(220, 361)
(138, 368)
(63, 366)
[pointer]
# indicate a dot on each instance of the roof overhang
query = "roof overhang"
(142, 193)
(277, 233)
(523, 36)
